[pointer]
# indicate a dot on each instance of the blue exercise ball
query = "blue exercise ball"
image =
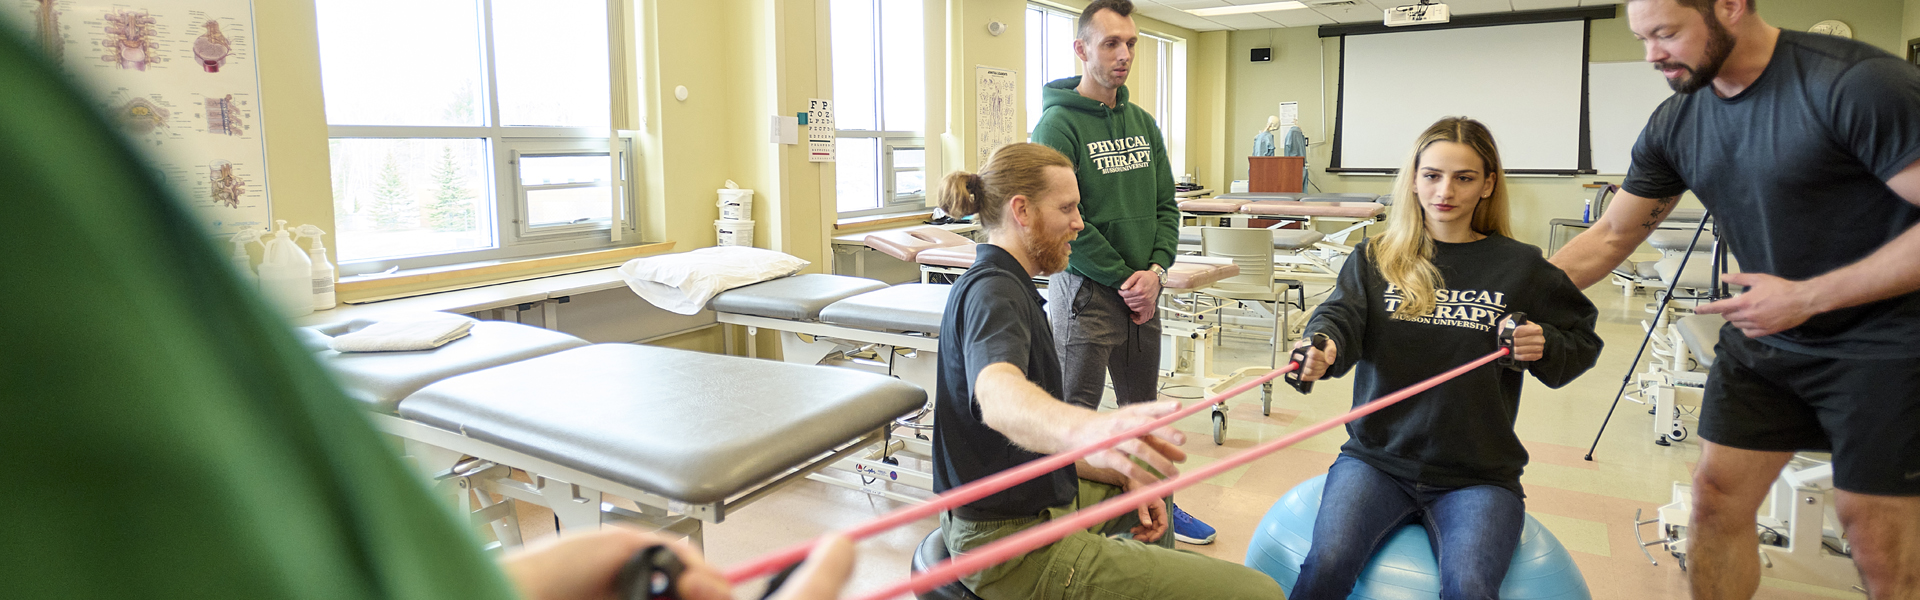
(1404, 567)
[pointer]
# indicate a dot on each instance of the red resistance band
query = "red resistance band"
(982, 488)
(1050, 532)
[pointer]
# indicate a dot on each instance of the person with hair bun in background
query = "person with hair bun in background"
(998, 405)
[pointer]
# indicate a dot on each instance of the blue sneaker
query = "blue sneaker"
(1190, 530)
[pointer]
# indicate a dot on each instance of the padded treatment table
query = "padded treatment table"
(688, 433)
(794, 304)
(1697, 276)
(1301, 197)
(951, 260)
(1212, 206)
(1700, 333)
(552, 405)
(908, 243)
(1283, 239)
(1286, 208)
(1346, 197)
(912, 307)
(800, 297)
(1195, 272)
(1675, 240)
(383, 379)
(820, 316)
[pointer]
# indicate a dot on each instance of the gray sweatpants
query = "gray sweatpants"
(1095, 335)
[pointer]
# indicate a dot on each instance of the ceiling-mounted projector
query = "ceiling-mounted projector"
(1423, 13)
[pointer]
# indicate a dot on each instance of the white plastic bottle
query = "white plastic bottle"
(323, 297)
(241, 261)
(286, 275)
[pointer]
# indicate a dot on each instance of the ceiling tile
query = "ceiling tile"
(1355, 13)
(1174, 16)
(1297, 18)
(1478, 7)
(1196, 23)
(1243, 22)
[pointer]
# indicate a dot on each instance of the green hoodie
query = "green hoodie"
(1126, 182)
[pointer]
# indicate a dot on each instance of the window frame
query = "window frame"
(518, 149)
(890, 141)
(1045, 10)
(512, 239)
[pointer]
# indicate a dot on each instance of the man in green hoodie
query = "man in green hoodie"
(1103, 307)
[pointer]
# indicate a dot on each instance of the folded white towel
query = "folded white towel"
(685, 281)
(400, 335)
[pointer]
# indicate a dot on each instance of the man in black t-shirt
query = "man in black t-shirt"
(998, 405)
(1805, 149)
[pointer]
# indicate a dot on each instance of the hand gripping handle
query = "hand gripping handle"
(1299, 357)
(1506, 340)
(652, 574)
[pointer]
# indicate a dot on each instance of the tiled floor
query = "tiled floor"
(1589, 506)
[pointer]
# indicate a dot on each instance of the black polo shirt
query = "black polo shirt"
(994, 315)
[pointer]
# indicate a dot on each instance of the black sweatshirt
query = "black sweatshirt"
(1459, 433)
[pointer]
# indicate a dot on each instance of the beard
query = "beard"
(1719, 47)
(1050, 256)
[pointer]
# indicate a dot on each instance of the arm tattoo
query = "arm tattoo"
(1659, 206)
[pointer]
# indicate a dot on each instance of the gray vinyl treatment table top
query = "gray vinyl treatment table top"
(690, 426)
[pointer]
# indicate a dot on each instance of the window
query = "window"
(1170, 97)
(485, 136)
(1050, 34)
(879, 83)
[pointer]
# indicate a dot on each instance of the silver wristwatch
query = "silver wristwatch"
(1160, 272)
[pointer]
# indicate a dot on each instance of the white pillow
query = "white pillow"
(684, 282)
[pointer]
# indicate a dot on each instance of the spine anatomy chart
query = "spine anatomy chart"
(180, 80)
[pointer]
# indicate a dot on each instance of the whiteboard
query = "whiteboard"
(178, 78)
(1522, 81)
(1621, 95)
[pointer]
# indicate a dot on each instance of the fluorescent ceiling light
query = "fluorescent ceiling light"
(1246, 8)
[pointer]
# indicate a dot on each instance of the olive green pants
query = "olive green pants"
(1102, 562)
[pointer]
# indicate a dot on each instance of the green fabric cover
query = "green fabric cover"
(164, 434)
(1126, 182)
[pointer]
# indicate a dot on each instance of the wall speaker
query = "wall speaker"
(1262, 54)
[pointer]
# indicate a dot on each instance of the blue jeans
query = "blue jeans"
(1474, 531)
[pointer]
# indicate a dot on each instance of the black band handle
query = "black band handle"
(779, 579)
(1506, 340)
(652, 574)
(1299, 357)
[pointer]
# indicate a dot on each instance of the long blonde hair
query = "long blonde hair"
(1013, 170)
(1404, 252)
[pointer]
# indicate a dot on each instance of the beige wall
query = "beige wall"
(1207, 110)
(300, 184)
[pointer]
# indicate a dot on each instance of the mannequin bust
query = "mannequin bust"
(1263, 142)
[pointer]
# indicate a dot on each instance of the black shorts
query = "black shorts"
(1866, 412)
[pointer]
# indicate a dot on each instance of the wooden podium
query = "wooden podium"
(1275, 173)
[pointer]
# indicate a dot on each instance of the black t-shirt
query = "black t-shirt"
(1794, 170)
(1459, 433)
(994, 315)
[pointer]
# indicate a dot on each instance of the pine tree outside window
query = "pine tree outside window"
(484, 137)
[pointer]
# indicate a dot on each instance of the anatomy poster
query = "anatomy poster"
(999, 96)
(180, 81)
